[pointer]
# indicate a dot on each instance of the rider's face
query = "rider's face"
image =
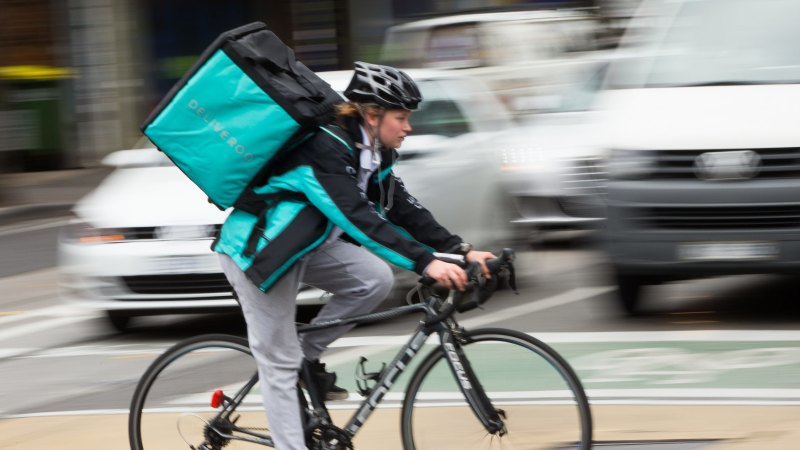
(394, 126)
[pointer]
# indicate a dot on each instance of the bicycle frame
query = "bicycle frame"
(441, 323)
(445, 327)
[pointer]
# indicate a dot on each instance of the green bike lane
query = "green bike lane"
(706, 389)
(736, 389)
(701, 366)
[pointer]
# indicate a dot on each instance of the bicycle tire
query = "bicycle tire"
(541, 396)
(165, 402)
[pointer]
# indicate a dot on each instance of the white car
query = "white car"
(140, 242)
(556, 177)
(522, 56)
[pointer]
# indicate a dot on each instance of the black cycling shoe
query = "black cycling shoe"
(326, 381)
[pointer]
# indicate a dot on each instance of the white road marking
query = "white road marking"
(35, 327)
(660, 397)
(354, 347)
(33, 225)
(362, 343)
(50, 311)
(612, 336)
(571, 296)
(11, 352)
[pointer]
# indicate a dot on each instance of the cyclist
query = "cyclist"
(331, 206)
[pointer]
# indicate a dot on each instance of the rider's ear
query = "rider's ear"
(372, 117)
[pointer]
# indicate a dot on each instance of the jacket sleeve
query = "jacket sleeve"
(408, 213)
(329, 182)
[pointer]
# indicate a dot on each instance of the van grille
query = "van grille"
(199, 283)
(775, 163)
(585, 176)
(719, 218)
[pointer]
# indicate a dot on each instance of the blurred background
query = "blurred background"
(641, 156)
(78, 77)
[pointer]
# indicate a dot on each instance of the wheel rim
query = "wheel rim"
(541, 409)
(175, 401)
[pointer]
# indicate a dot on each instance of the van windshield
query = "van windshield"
(716, 42)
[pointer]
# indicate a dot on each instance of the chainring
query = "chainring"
(330, 437)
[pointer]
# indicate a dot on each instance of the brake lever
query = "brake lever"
(508, 256)
(512, 278)
(476, 295)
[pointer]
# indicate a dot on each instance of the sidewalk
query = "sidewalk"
(616, 427)
(38, 195)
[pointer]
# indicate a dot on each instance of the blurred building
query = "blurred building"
(33, 84)
(78, 76)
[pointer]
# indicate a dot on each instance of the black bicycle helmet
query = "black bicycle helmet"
(383, 85)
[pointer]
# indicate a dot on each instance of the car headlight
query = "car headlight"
(630, 164)
(515, 159)
(81, 232)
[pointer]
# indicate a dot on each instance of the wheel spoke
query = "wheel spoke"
(171, 407)
(543, 406)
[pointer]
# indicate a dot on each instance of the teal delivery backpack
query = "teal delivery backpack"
(241, 105)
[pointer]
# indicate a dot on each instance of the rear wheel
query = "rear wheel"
(539, 397)
(170, 406)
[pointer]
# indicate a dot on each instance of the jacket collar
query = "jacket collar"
(352, 125)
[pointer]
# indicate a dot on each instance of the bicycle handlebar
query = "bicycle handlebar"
(478, 289)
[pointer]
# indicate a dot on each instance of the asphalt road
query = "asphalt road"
(29, 246)
(731, 342)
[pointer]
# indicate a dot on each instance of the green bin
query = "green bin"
(31, 105)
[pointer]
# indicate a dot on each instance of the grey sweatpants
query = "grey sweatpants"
(358, 282)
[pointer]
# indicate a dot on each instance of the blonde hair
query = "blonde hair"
(352, 109)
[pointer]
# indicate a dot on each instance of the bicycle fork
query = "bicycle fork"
(470, 386)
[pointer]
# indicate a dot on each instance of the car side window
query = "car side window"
(455, 46)
(441, 117)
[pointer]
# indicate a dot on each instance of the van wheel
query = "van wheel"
(119, 321)
(629, 288)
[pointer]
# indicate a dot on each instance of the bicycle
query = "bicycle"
(499, 386)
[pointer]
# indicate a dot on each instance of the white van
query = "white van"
(523, 56)
(702, 130)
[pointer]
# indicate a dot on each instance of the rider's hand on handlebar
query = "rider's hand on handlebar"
(448, 275)
(481, 258)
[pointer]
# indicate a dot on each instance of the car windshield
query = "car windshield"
(580, 95)
(717, 42)
(484, 43)
(454, 106)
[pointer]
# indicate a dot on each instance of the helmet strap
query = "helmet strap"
(374, 132)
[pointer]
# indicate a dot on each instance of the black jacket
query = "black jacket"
(313, 188)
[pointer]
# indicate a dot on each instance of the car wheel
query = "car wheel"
(629, 288)
(119, 320)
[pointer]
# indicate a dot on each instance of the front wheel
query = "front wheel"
(534, 390)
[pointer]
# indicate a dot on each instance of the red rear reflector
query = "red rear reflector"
(216, 398)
